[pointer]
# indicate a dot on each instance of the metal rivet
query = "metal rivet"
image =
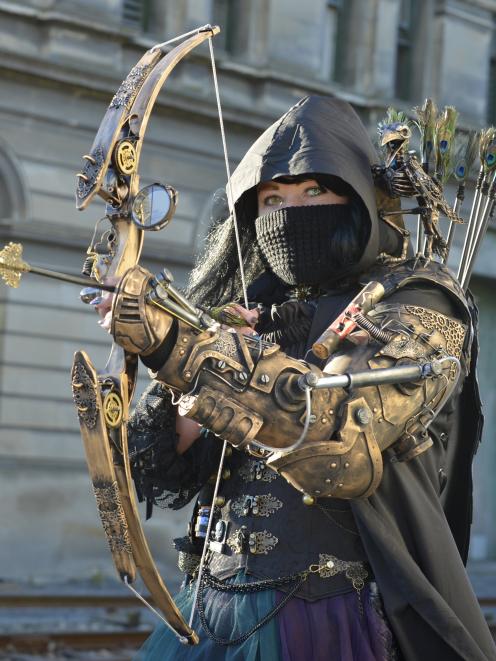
(334, 465)
(228, 451)
(328, 480)
(264, 378)
(184, 340)
(220, 501)
(331, 412)
(308, 499)
(340, 485)
(375, 409)
(182, 352)
(323, 420)
(226, 473)
(362, 416)
(187, 375)
(317, 492)
(221, 364)
(346, 464)
(379, 420)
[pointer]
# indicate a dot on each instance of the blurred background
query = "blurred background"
(60, 63)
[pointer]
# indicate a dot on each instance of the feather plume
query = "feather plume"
(466, 147)
(426, 122)
(444, 141)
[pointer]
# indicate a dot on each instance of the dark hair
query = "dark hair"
(216, 279)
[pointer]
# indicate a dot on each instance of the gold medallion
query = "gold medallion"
(125, 157)
(112, 409)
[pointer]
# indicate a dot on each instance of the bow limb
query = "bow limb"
(102, 397)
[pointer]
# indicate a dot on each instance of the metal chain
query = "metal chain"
(269, 616)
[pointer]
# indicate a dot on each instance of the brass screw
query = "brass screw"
(308, 499)
(331, 412)
(334, 465)
(264, 378)
(182, 352)
(221, 364)
(242, 376)
(324, 421)
(346, 464)
(184, 340)
(226, 473)
(220, 501)
(228, 451)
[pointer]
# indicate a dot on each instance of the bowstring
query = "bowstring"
(201, 567)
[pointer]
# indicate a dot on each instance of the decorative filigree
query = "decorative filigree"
(354, 570)
(83, 393)
(452, 331)
(226, 345)
(260, 505)
(90, 172)
(130, 86)
(255, 469)
(258, 543)
(112, 516)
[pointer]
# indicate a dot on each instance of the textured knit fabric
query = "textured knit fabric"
(309, 245)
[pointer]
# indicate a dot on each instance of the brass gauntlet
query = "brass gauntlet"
(136, 326)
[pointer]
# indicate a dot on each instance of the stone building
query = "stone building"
(61, 61)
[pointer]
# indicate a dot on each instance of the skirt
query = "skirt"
(347, 627)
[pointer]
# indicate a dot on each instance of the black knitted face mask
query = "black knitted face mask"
(311, 245)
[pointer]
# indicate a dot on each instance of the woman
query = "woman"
(311, 237)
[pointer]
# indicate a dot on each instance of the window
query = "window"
(404, 50)
(341, 14)
(231, 16)
(135, 13)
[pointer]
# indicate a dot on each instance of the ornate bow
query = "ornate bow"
(102, 397)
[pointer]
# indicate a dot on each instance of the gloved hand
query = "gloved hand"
(137, 326)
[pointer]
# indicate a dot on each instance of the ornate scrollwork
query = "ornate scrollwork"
(258, 543)
(354, 570)
(112, 515)
(83, 393)
(130, 86)
(256, 469)
(90, 172)
(260, 505)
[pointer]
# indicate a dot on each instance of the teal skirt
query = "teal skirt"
(229, 615)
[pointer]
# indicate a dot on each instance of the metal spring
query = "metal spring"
(88, 265)
(374, 331)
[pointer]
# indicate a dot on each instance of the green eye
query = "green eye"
(272, 200)
(314, 191)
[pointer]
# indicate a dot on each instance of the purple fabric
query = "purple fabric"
(336, 628)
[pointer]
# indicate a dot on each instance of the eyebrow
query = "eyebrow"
(267, 186)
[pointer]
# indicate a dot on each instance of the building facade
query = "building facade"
(62, 60)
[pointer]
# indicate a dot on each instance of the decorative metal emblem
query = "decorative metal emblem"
(256, 469)
(113, 409)
(125, 157)
(258, 543)
(112, 516)
(90, 172)
(130, 86)
(83, 393)
(261, 505)
(354, 570)
(404, 349)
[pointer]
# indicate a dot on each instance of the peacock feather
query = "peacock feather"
(426, 122)
(487, 149)
(466, 147)
(444, 142)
